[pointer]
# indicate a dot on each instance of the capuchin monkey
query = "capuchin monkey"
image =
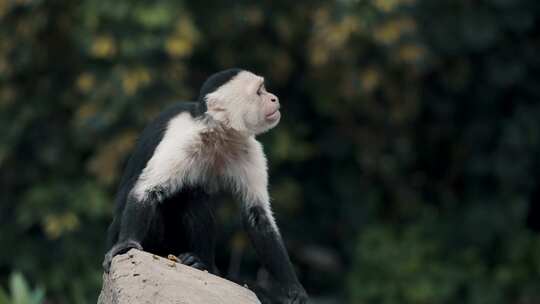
(191, 152)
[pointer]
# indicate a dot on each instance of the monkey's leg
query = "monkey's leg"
(200, 228)
(273, 255)
(112, 233)
(134, 226)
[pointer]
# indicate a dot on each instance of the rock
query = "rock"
(141, 277)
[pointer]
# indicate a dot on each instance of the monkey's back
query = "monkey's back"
(145, 147)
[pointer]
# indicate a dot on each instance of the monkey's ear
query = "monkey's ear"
(211, 102)
(216, 109)
(214, 101)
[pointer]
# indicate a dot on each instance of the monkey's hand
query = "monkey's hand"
(117, 249)
(190, 259)
(296, 295)
(288, 295)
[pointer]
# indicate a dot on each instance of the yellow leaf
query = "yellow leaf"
(389, 32)
(85, 111)
(4, 6)
(7, 96)
(182, 41)
(386, 5)
(106, 164)
(86, 82)
(369, 79)
(55, 225)
(103, 46)
(411, 52)
(178, 46)
(254, 16)
(134, 79)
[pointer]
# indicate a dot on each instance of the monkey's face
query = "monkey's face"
(244, 104)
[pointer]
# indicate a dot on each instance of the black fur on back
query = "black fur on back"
(146, 145)
(215, 81)
(153, 133)
(152, 136)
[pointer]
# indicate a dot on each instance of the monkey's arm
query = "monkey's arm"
(133, 214)
(134, 224)
(263, 232)
(268, 244)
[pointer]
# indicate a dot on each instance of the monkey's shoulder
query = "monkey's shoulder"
(152, 135)
(154, 132)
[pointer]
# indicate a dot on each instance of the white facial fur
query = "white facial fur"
(244, 104)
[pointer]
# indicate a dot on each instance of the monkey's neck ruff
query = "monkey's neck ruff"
(218, 146)
(218, 121)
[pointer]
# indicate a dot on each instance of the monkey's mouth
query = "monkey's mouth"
(274, 115)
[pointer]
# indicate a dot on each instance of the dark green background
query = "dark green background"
(406, 168)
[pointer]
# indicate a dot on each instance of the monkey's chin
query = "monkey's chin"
(268, 125)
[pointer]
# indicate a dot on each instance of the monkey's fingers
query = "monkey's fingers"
(189, 259)
(173, 258)
(117, 249)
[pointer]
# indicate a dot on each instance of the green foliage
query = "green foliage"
(405, 168)
(20, 293)
(415, 265)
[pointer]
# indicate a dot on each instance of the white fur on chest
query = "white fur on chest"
(192, 153)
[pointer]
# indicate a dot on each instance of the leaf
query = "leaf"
(19, 289)
(158, 16)
(37, 296)
(4, 299)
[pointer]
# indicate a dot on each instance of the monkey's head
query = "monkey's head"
(238, 98)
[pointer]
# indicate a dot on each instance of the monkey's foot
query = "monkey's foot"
(190, 259)
(117, 249)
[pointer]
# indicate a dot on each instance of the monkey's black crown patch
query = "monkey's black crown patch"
(217, 80)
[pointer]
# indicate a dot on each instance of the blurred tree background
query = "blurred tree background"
(406, 168)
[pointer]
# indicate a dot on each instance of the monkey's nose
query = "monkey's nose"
(273, 99)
